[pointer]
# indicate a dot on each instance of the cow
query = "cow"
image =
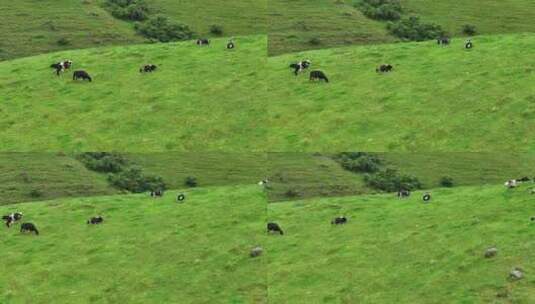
(148, 68)
(468, 45)
(29, 227)
(339, 220)
(96, 220)
(318, 75)
(384, 68)
(81, 74)
(12, 218)
(156, 193)
(510, 184)
(300, 66)
(443, 41)
(274, 227)
(230, 45)
(61, 66)
(404, 193)
(203, 41)
(426, 197)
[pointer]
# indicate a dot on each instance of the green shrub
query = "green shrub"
(314, 41)
(134, 10)
(63, 41)
(191, 181)
(413, 30)
(380, 9)
(34, 193)
(104, 162)
(132, 179)
(162, 29)
(446, 181)
(390, 180)
(216, 30)
(469, 29)
(365, 164)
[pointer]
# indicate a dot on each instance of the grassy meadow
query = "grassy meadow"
(404, 251)
(146, 251)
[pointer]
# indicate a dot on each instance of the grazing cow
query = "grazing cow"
(181, 197)
(96, 220)
(230, 45)
(263, 182)
(61, 66)
(512, 183)
(156, 193)
(29, 227)
(443, 41)
(12, 218)
(203, 41)
(300, 66)
(148, 68)
(468, 45)
(404, 193)
(384, 68)
(81, 74)
(339, 220)
(274, 227)
(318, 75)
(426, 197)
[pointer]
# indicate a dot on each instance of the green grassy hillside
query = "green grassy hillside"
(147, 251)
(43, 176)
(437, 98)
(199, 99)
(489, 17)
(32, 27)
(305, 24)
(394, 251)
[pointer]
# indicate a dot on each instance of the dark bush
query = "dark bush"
(314, 41)
(133, 180)
(469, 29)
(134, 10)
(446, 181)
(103, 161)
(413, 30)
(191, 181)
(216, 30)
(34, 193)
(380, 9)
(390, 180)
(365, 164)
(162, 29)
(291, 193)
(63, 41)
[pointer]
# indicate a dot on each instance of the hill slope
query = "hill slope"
(436, 99)
(393, 251)
(147, 250)
(199, 99)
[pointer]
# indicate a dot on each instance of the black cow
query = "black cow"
(12, 218)
(156, 193)
(96, 220)
(384, 68)
(443, 41)
(81, 74)
(404, 193)
(230, 45)
(274, 227)
(300, 66)
(318, 75)
(468, 45)
(61, 66)
(339, 220)
(29, 227)
(148, 68)
(203, 41)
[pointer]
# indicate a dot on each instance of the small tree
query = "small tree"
(216, 29)
(191, 181)
(446, 181)
(469, 29)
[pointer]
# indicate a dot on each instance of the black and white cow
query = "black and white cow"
(156, 193)
(81, 75)
(300, 66)
(61, 66)
(468, 45)
(12, 218)
(274, 227)
(203, 41)
(404, 193)
(29, 227)
(443, 41)
(148, 68)
(96, 220)
(426, 197)
(339, 220)
(384, 68)
(318, 75)
(230, 45)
